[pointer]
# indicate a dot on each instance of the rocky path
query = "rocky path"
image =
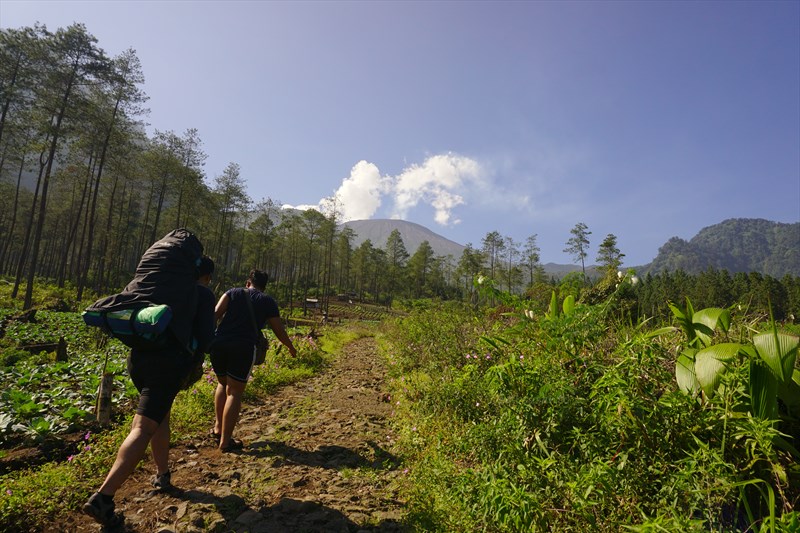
(315, 460)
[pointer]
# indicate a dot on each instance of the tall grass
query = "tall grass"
(572, 420)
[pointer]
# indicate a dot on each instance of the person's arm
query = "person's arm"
(276, 325)
(222, 306)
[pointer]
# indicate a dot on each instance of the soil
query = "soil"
(315, 459)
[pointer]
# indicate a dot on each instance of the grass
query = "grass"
(547, 425)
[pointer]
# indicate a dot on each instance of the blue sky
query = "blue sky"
(646, 119)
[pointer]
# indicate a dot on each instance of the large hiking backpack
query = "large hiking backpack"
(160, 301)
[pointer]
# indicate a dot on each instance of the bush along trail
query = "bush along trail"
(315, 458)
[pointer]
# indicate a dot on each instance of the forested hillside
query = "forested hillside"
(735, 245)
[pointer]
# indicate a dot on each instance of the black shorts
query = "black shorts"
(158, 377)
(233, 358)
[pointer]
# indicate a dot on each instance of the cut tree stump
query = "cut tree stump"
(104, 399)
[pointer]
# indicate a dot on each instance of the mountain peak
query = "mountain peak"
(413, 234)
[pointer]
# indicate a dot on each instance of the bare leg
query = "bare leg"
(219, 404)
(159, 446)
(130, 453)
(230, 414)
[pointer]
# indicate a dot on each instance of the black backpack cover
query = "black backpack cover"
(166, 275)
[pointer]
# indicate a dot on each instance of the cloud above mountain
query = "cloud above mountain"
(442, 182)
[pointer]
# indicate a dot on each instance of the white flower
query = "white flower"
(620, 274)
(634, 280)
(530, 314)
(481, 279)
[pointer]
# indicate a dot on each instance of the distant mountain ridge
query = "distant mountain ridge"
(735, 245)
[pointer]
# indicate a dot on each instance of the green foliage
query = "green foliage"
(61, 398)
(572, 420)
(426, 339)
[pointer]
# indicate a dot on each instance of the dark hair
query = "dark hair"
(206, 266)
(258, 278)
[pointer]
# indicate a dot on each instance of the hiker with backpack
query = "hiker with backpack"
(241, 314)
(170, 273)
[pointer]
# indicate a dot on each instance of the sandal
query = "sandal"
(214, 435)
(102, 510)
(232, 445)
(163, 482)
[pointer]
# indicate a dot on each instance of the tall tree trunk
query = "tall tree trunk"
(159, 206)
(102, 255)
(37, 238)
(23, 256)
(15, 206)
(73, 231)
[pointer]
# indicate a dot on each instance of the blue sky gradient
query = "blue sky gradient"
(643, 119)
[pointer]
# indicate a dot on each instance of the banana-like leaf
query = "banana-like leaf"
(684, 372)
(779, 351)
(707, 320)
(789, 393)
(569, 305)
(709, 364)
(763, 391)
(714, 317)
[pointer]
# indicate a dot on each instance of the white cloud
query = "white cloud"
(443, 182)
(360, 194)
(435, 182)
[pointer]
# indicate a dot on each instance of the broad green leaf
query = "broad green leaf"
(789, 393)
(763, 391)
(724, 351)
(569, 305)
(709, 364)
(714, 317)
(553, 305)
(707, 320)
(779, 351)
(684, 372)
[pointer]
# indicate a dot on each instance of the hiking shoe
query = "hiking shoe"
(102, 510)
(163, 481)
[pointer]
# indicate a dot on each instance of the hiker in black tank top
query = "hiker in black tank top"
(233, 350)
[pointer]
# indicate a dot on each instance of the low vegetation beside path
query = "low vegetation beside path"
(572, 418)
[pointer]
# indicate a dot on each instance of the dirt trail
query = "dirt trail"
(315, 460)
